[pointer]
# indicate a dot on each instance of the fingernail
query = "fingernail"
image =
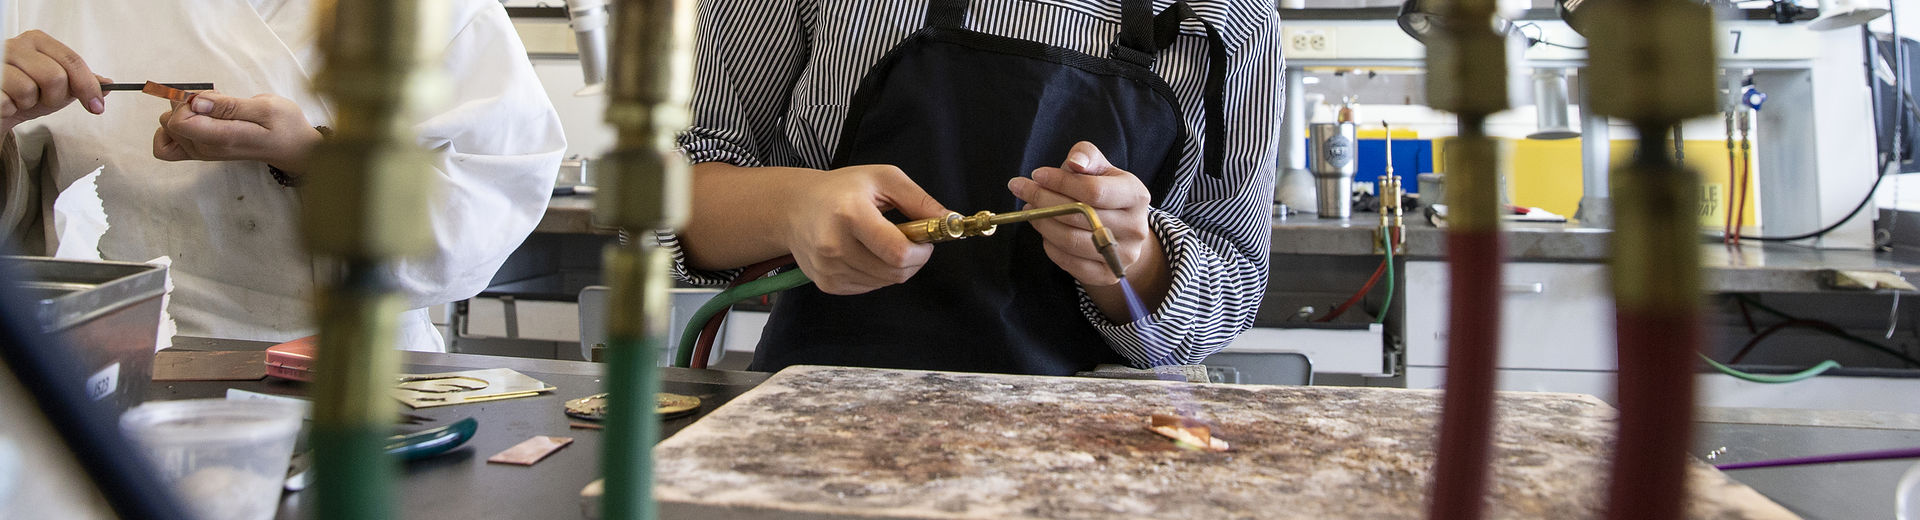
(202, 106)
(97, 105)
(1080, 162)
(1014, 185)
(1041, 175)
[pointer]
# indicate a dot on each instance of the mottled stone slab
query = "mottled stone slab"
(830, 442)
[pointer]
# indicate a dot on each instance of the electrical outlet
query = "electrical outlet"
(1309, 43)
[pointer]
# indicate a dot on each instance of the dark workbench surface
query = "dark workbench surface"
(461, 484)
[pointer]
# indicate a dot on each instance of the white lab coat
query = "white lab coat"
(239, 268)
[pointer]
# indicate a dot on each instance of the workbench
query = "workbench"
(461, 485)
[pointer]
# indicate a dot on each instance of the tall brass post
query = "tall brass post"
(364, 205)
(1652, 63)
(1466, 75)
(650, 81)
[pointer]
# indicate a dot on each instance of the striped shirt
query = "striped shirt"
(774, 79)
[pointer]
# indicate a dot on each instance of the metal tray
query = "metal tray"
(109, 312)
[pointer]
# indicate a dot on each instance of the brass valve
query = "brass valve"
(953, 226)
(948, 228)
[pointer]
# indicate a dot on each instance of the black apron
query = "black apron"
(961, 112)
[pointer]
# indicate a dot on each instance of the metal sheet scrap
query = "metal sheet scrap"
(470, 386)
(530, 451)
(1187, 432)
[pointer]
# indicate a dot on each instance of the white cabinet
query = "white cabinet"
(1554, 316)
(1331, 351)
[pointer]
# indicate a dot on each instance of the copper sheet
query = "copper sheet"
(530, 451)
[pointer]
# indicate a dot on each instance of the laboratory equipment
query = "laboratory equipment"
(228, 459)
(1809, 153)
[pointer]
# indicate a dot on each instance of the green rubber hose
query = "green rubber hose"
(1387, 304)
(683, 356)
(1802, 375)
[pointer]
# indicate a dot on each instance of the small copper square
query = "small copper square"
(531, 450)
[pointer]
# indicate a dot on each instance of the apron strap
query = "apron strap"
(947, 13)
(1166, 28)
(1136, 42)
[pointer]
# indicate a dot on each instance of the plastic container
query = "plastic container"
(226, 459)
(1906, 497)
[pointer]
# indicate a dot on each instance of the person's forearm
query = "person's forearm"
(738, 215)
(1150, 279)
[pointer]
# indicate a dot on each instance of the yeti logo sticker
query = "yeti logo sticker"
(1339, 151)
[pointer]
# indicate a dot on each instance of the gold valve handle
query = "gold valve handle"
(955, 227)
(949, 228)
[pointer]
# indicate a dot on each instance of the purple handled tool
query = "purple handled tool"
(1904, 453)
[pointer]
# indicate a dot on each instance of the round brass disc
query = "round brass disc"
(594, 407)
(675, 405)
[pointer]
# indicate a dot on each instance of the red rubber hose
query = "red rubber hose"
(1473, 321)
(1656, 409)
(1357, 296)
(703, 347)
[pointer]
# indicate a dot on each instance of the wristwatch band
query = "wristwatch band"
(288, 179)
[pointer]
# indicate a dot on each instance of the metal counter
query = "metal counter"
(1849, 490)
(1754, 268)
(571, 214)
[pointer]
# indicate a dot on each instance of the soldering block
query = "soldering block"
(816, 443)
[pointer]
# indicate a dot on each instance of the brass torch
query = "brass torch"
(1393, 224)
(953, 226)
(365, 205)
(649, 84)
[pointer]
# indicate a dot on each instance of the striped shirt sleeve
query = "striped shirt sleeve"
(1217, 238)
(740, 96)
(742, 84)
